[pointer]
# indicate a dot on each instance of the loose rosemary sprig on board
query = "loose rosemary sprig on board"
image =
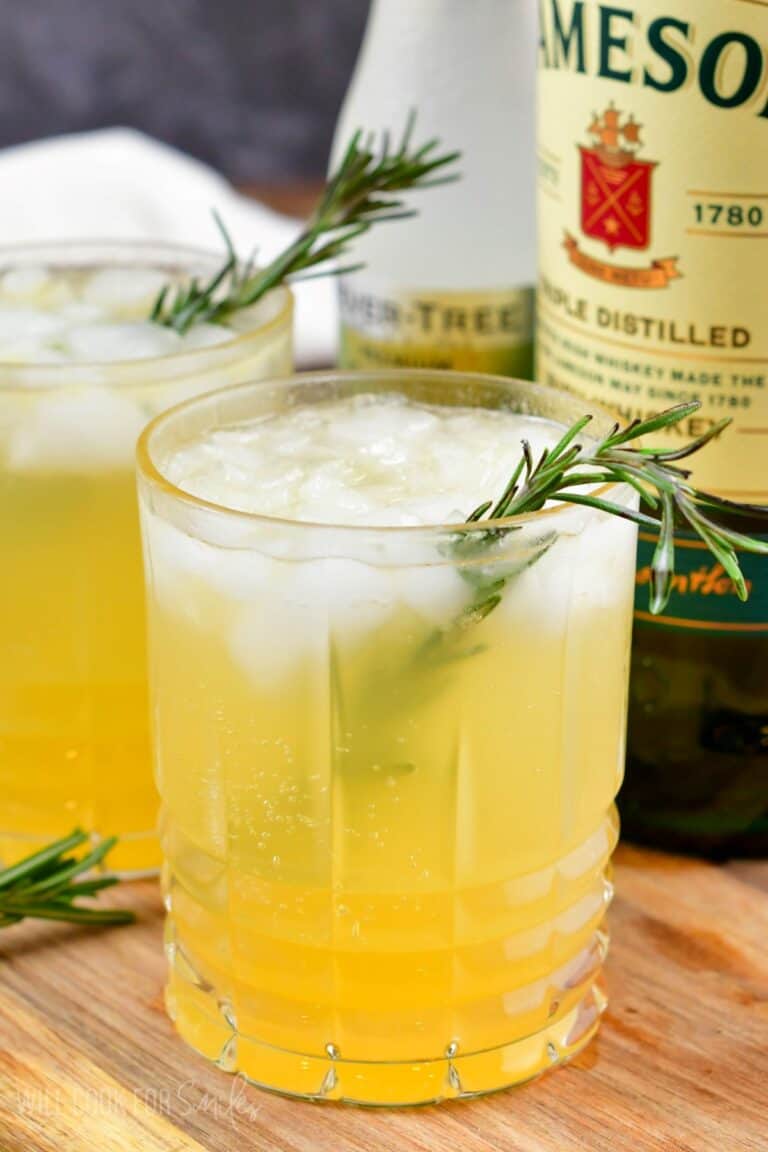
(365, 190)
(44, 886)
(653, 472)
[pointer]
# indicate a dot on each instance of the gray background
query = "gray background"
(250, 86)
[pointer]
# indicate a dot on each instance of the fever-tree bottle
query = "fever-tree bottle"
(453, 287)
(653, 220)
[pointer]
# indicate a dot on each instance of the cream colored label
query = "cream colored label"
(469, 331)
(653, 217)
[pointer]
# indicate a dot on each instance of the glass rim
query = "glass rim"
(17, 375)
(149, 472)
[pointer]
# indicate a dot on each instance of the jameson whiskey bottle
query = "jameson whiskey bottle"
(653, 225)
(453, 287)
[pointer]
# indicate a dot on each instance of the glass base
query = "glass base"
(454, 1075)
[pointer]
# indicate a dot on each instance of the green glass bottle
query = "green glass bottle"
(697, 761)
(653, 239)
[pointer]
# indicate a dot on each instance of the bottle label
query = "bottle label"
(465, 331)
(653, 216)
(703, 595)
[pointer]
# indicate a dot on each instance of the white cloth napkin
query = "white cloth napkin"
(119, 184)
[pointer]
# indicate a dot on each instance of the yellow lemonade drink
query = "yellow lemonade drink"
(387, 803)
(81, 372)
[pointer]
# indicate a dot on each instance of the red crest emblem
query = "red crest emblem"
(615, 185)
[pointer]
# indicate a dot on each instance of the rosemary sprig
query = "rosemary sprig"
(365, 190)
(662, 486)
(44, 885)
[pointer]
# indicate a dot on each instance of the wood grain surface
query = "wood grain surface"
(88, 1059)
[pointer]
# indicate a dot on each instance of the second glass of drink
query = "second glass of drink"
(82, 369)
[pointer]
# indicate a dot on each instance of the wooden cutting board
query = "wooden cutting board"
(89, 1061)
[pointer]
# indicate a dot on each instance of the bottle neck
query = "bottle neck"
(395, 14)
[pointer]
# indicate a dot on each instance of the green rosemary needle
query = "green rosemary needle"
(365, 189)
(662, 486)
(44, 886)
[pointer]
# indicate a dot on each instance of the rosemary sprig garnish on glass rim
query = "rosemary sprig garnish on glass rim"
(44, 885)
(662, 486)
(365, 190)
